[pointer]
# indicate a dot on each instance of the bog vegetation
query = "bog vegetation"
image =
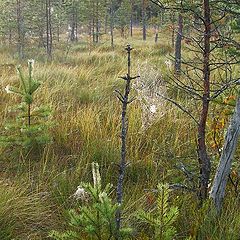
(119, 119)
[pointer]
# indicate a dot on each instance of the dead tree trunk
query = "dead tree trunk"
(224, 167)
(204, 160)
(124, 99)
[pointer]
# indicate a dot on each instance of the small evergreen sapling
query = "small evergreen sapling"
(30, 126)
(95, 217)
(163, 217)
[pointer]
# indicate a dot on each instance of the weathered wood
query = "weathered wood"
(219, 184)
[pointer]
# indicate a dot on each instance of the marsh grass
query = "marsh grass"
(78, 85)
(23, 213)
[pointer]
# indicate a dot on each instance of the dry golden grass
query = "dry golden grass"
(79, 87)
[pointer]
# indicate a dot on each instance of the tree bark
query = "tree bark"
(204, 160)
(224, 167)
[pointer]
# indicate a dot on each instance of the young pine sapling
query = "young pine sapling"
(163, 217)
(29, 127)
(95, 216)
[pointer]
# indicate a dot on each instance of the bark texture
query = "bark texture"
(204, 160)
(224, 167)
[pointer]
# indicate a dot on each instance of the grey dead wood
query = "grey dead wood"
(220, 180)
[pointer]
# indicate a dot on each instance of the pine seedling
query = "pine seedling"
(30, 126)
(95, 217)
(163, 217)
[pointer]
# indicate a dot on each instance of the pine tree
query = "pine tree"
(30, 126)
(164, 216)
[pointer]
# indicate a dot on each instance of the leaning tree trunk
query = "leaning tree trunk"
(224, 167)
(178, 45)
(204, 160)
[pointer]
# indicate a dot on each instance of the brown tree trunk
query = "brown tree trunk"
(204, 160)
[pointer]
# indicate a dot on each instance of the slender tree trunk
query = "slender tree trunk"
(47, 22)
(144, 28)
(49, 29)
(225, 163)
(178, 45)
(156, 33)
(173, 29)
(97, 31)
(93, 30)
(10, 37)
(131, 20)
(58, 32)
(41, 28)
(97, 22)
(112, 25)
(76, 29)
(29, 115)
(73, 26)
(20, 42)
(204, 160)
(124, 98)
